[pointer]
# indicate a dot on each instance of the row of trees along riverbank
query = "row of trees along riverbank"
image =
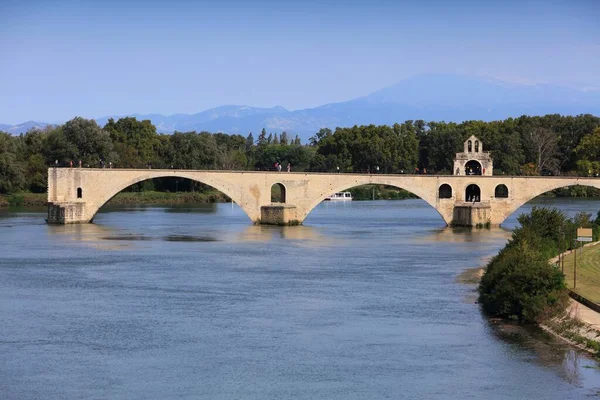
(524, 145)
(520, 283)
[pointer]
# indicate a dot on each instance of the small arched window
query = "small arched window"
(79, 193)
(277, 193)
(445, 191)
(501, 192)
(477, 146)
(469, 146)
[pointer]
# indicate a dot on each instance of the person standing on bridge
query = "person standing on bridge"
(289, 167)
(71, 164)
(79, 163)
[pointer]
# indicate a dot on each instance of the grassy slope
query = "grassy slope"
(588, 272)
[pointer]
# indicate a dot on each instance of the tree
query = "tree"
(284, 138)
(588, 152)
(520, 283)
(544, 143)
(12, 175)
(249, 142)
(58, 148)
(92, 143)
(323, 133)
(262, 138)
(275, 139)
(134, 141)
(191, 150)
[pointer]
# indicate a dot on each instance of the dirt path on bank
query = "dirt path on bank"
(585, 314)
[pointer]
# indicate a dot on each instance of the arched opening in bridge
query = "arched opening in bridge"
(566, 198)
(424, 207)
(501, 192)
(473, 194)
(171, 191)
(473, 167)
(445, 191)
(469, 146)
(477, 146)
(278, 193)
(79, 193)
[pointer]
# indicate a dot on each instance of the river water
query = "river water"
(359, 303)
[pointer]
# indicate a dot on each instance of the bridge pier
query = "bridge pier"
(472, 214)
(66, 213)
(279, 214)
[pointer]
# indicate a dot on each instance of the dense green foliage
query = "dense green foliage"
(525, 145)
(519, 282)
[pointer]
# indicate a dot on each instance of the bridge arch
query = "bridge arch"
(525, 192)
(427, 193)
(105, 190)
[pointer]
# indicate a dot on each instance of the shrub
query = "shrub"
(519, 283)
(16, 200)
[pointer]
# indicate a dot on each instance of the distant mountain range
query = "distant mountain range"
(428, 97)
(22, 128)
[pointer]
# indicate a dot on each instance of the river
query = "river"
(194, 302)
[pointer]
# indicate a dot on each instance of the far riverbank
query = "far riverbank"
(147, 197)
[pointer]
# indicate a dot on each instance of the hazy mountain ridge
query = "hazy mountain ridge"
(428, 97)
(23, 127)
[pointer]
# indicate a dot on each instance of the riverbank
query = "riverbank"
(380, 192)
(148, 197)
(579, 326)
(588, 271)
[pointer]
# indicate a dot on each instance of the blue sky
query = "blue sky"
(95, 58)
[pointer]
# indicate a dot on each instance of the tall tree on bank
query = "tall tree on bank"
(544, 143)
(92, 143)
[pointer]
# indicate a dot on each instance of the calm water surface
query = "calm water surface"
(359, 303)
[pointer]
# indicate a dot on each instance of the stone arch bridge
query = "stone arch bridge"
(76, 194)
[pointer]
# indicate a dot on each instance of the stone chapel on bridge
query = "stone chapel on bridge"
(473, 160)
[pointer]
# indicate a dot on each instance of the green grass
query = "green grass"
(24, 200)
(588, 272)
(151, 197)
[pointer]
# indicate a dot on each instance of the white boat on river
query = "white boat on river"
(340, 196)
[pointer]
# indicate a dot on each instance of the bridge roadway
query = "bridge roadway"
(76, 194)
